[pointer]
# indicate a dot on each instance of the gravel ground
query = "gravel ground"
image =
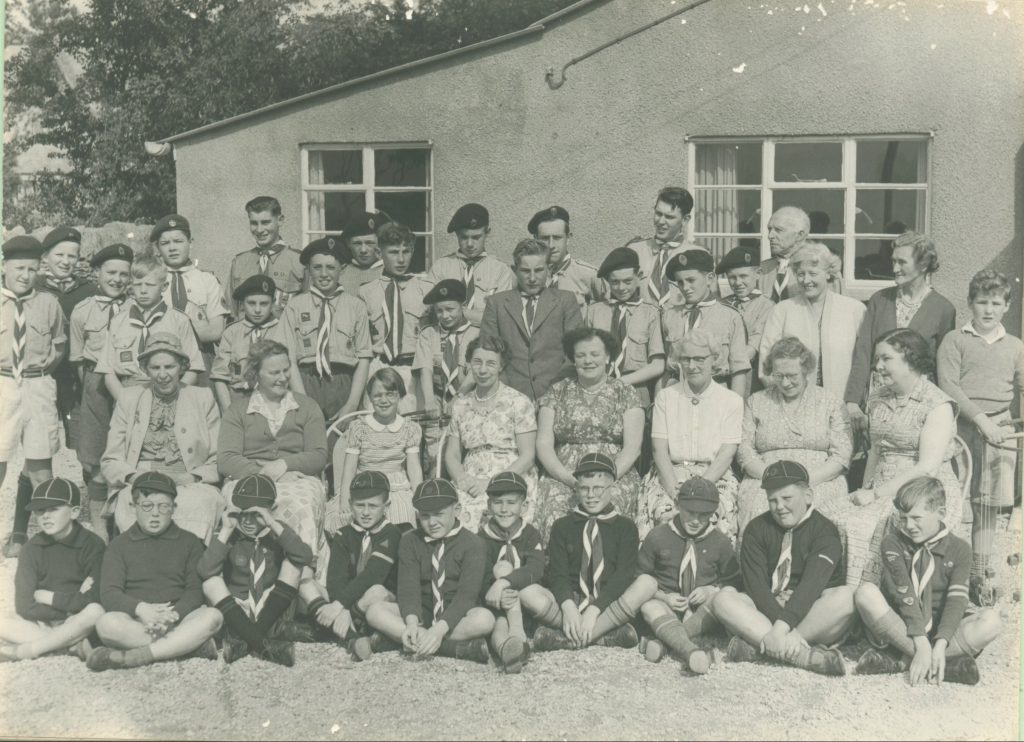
(597, 694)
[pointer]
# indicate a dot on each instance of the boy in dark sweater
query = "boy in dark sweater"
(683, 564)
(925, 580)
(591, 565)
(440, 577)
(150, 588)
(56, 585)
(251, 573)
(796, 603)
(515, 559)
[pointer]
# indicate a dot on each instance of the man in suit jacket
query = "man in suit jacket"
(787, 231)
(531, 320)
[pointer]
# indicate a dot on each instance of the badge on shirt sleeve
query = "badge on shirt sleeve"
(202, 315)
(304, 317)
(908, 600)
(126, 356)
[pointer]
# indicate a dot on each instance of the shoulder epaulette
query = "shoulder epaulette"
(636, 239)
(240, 254)
(584, 263)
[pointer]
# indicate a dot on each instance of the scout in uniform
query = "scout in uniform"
(693, 273)
(482, 274)
(440, 577)
(33, 336)
(255, 296)
(795, 603)
(144, 314)
(271, 257)
(360, 239)
(921, 610)
(635, 325)
(90, 326)
(551, 227)
(327, 332)
(740, 268)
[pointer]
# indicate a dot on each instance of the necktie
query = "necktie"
(257, 595)
(256, 332)
(468, 278)
(450, 360)
(658, 281)
(781, 280)
(394, 317)
(179, 294)
(592, 563)
(558, 273)
(144, 321)
(20, 332)
(529, 312)
(323, 335)
(922, 567)
(784, 568)
(112, 305)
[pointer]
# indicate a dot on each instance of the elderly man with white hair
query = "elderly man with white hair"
(787, 232)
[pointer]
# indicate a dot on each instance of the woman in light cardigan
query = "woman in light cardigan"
(824, 320)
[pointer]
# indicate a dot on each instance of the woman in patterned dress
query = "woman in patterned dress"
(493, 429)
(592, 412)
(795, 420)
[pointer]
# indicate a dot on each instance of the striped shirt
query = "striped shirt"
(383, 447)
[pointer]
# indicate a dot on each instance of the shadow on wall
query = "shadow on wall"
(1010, 259)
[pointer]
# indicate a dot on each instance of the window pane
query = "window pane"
(889, 212)
(873, 261)
(881, 161)
(824, 207)
(808, 161)
(336, 167)
(729, 164)
(719, 246)
(411, 209)
(727, 211)
(419, 258)
(402, 167)
(331, 211)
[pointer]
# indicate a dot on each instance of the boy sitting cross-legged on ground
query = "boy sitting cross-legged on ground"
(793, 572)
(150, 588)
(684, 564)
(920, 609)
(515, 560)
(591, 563)
(56, 585)
(363, 569)
(440, 577)
(251, 573)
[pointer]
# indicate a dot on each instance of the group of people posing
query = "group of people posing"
(489, 451)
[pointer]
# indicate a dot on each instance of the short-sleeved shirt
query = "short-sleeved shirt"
(755, 311)
(89, 323)
(647, 250)
(283, 266)
(580, 279)
(202, 288)
(412, 291)
(350, 328)
(428, 352)
(120, 354)
(643, 341)
(45, 331)
(695, 432)
(233, 349)
(490, 275)
(383, 447)
(723, 322)
(495, 427)
(354, 277)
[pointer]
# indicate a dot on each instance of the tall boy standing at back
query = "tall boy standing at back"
(271, 257)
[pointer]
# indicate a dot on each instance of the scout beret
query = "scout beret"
(595, 462)
(740, 257)
(506, 483)
(362, 224)
(22, 246)
(782, 474)
(163, 342)
(152, 482)
(469, 216)
(547, 215)
(61, 234)
(112, 252)
(257, 284)
(698, 495)
(53, 493)
(450, 289)
(169, 223)
(617, 259)
(690, 260)
(254, 491)
(325, 246)
(368, 484)
(434, 494)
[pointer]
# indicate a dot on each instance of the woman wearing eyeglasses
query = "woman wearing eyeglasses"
(695, 430)
(168, 427)
(794, 420)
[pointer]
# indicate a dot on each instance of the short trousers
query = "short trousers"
(94, 419)
(993, 480)
(28, 416)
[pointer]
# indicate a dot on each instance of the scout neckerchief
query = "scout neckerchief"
(468, 270)
(736, 301)
(267, 254)
(781, 280)
(144, 320)
(688, 567)
(179, 293)
(366, 545)
(922, 568)
(450, 350)
(112, 305)
(658, 281)
(695, 314)
(257, 595)
(323, 335)
(784, 567)
(20, 331)
(60, 285)
(529, 310)
(256, 332)
(394, 317)
(437, 568)
(620, 315)
(509, 551)
(592, 563)
(558, 272)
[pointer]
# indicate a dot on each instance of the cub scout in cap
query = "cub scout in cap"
(921, 609)
(515, 560)
(551, 227)
(56, 585)
(440, 579)
(440, 359)
(251, 574)
(791, 559)
(150, 587)
(740, 267)
(591, 565)
(271, 256)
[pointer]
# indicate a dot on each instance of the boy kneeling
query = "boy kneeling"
(56, 585)
(802, 602)
(591, 565)
(925, 577)
(150, 588)
(251, 573)
(440, 577)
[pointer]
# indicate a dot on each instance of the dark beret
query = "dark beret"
(22, 246)
(61, 234)
(325, 246)
(690, 260)
(112, 252)
(257, 284)
(469, 216)
(450, 289)
(617, 259)
(546, 215)
(362, 224)
(169, 223)
(740, 257)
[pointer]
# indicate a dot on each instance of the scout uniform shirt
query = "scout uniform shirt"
(354, 277)
(234, 560)
(202, 288)
(638, 333)
(483, 276)
(612, 567)
(459, 580)
(579, 278)
(396, 309)
(69, 292)
(445, 354)
(358, 563)
(346, 337)
(655, 287)
(722, 321)
(664, 551)
(45, 331)
(280, 262)
(520, 546)
(90, 323)
(130, 329)
(754, 310)
(234, 349)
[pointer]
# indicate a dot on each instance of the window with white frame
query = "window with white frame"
(859, 191)
(340, 180)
